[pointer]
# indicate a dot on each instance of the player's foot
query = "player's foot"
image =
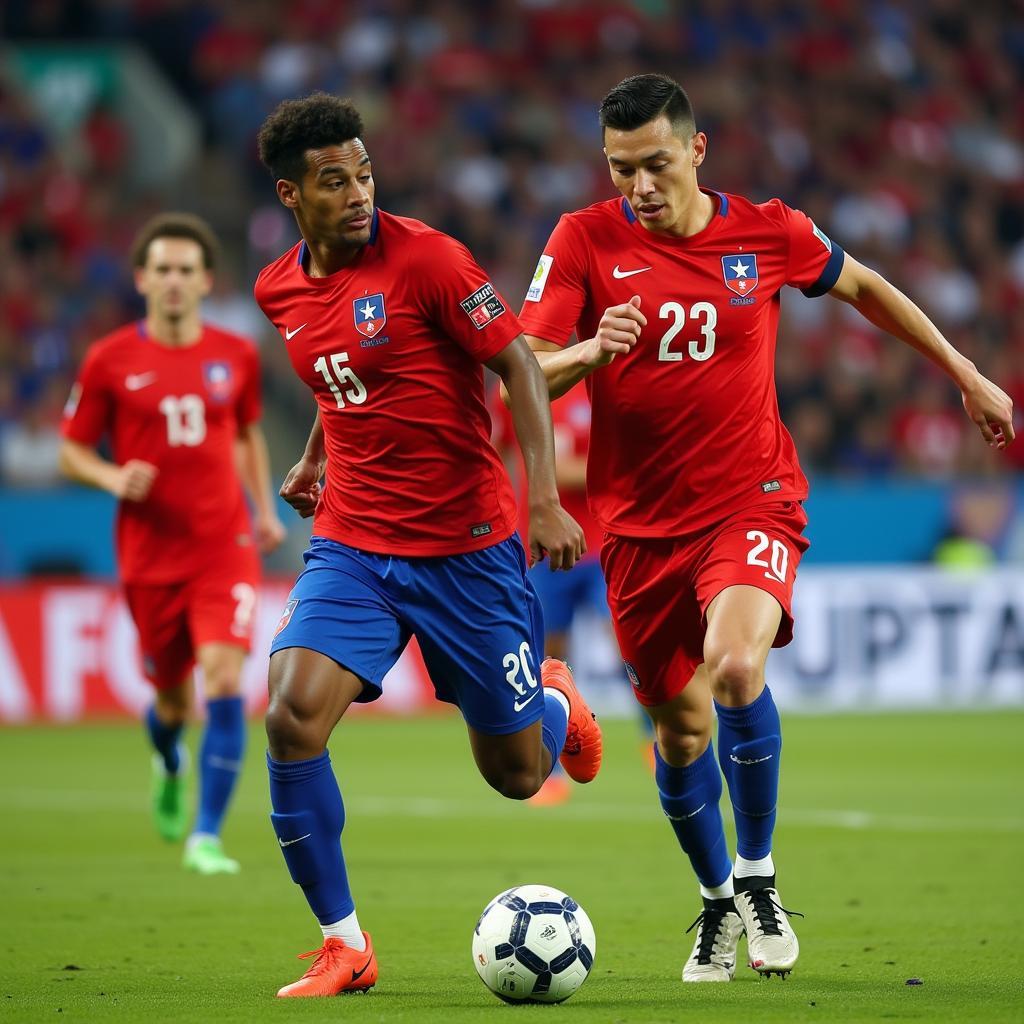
(581, 755)
(205, 856)
(714, 952)
(556, 790)
(336, 970)
(772, 947)
(169, 798)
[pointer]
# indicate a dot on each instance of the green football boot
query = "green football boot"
(169, 795)
(205, 856)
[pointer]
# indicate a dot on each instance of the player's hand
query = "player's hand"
(270, 532)
(301, 487)
(134, 480)
(991, 409)
(553, 532)
(618, 332)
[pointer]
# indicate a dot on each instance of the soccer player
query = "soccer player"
(179, 401)
(675, 290)
(388, 321)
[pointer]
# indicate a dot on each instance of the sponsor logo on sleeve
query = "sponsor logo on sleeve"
(369, 314)
(540, 278)
(483, 306)
(217, 378)
(821, 236)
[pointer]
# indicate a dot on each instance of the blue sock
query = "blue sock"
(750, 746)
(220, 761)
(308, 818)
(164, 739)
(689, 798)
(553, 728)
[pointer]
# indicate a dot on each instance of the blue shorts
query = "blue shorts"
(476, 617)
(561, 593)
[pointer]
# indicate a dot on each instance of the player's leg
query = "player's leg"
(558, 595)
(479, 623)
(221, 753)
(336, 641)
(748, 576)
(159, 614)
(659, 628)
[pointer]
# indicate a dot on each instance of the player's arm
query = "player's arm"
(301, 487)
(552, 530)
(889, 309)
(617, 333)
(131, 481)
(254, 467)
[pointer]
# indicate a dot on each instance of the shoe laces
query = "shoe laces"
(710, 920)
(327, 957)
(766, 910)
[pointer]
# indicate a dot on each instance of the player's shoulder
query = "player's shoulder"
(415, 240)
(275, 273)
(771, 212)
(109, 347)
(609, 213)
(227, 340)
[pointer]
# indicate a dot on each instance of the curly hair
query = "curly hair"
(640, 99)
(175, 225)
(314, 122)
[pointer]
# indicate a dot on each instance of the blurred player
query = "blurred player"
(179, 401)
(388, 321)
(676, 291)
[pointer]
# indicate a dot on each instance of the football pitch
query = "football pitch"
(901, 839)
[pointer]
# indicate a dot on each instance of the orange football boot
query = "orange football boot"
(337, 969)
(555, 790)
(581, 755)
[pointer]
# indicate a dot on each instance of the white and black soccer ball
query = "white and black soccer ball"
(533, 944)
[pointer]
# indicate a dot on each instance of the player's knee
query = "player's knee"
(514, 784)
(736, 675)
(679, 745)
(291, 732)
(173, 705)
(222, 681)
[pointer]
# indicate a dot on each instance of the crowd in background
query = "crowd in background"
(897, 126)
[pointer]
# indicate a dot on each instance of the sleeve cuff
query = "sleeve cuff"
(829, 276)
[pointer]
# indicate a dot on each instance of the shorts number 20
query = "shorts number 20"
(779, 564)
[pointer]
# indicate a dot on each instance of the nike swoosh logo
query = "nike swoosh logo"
(520, 704)
(136, 381)
(288, 335)
(753, 760)
(356, 975)
(627, 273)
(288, 842)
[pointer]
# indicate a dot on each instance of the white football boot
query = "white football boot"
(772, 946)
(714, 952)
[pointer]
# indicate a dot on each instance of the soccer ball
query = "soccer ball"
(533, 944)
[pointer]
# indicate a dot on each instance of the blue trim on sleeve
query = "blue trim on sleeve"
(829, 276)
(627, 211)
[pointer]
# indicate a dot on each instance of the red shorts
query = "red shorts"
(659, 589)
(175, 619)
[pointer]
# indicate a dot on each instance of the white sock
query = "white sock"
(348, 930)
(718, 892)
(765, 867)
(550, 691)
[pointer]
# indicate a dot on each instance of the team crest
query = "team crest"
(286, 615)
(217, 378)
(369, 314)
(740, 272)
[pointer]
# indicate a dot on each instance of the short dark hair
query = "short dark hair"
(176, 225)
(637, 100)
(317, 121)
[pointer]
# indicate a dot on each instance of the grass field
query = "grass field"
(901, 839)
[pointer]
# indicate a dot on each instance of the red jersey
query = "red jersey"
(180, 409)
(570, 420)
(686, 427)
(391, 347)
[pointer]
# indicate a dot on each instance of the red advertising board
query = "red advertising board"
(69, 652)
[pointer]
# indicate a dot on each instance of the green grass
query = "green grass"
(901, 839)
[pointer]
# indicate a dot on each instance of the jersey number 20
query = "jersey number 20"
(698, 350)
